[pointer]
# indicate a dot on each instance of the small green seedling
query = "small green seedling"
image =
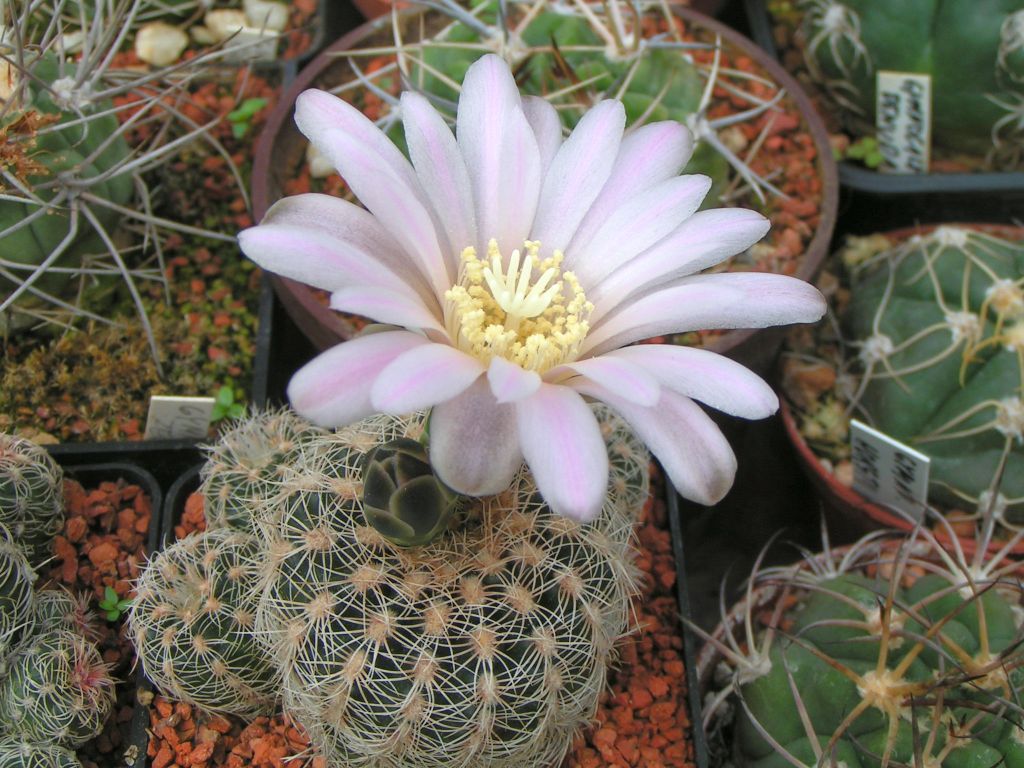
(113, 605)
(240, 117)
(225, 406)
(866, 150)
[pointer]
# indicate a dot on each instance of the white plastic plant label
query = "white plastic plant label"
(173, 418)
(887, 471)
(903, 120)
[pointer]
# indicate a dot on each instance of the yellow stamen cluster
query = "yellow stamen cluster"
(536, 322)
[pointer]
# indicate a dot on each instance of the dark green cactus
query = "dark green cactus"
(57, 689)
(192, 623)
(62, 141)
(972, 49)
(939, 324)
(867, 674)
(15, 753)
(402, 498)
(31, 496)
(16, 603)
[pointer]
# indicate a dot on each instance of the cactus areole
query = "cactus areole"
(938, 324)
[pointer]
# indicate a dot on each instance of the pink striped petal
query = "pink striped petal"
(723, 300)
(703, 240)
(691, 449)
(562, 444)
(547, 128)
(636, 226)
(322, 260)
(473, 444)
(577, 174)
(333, 389)
(501, 154)
(702, 375)
(621, 377)
(423, 377)
(509, 382)
(378, 174)
(386, 306)
(441, 170)
(648, 155)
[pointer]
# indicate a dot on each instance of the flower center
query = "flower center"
(528, 312)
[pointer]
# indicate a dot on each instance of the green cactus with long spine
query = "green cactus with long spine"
(31, 495)
(57, 689)
(16, 597)
(15, 753)
(938, 322)
(972, 51)
(192, 623)
(886, 653)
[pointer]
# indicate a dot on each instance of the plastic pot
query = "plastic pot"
(281, 153)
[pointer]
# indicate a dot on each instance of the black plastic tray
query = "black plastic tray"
(874, 200)
(110, 467)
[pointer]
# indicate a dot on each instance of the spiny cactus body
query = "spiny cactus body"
(486, 647)
(57, 689)
(972, 51)
(249, 465)
(939, 325)
(192, 623)
(865, 673)
(16, 604)
(31, 495)
(15, 753)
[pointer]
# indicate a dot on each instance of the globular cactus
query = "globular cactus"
(31, 495)
(485, 647)
(890, 652)
(938, 326)
(971, 50)
(57, 689)
(249, 465)
(192, 623)
(575, 54)
(15, 753)
(58, 608)
(16, 603)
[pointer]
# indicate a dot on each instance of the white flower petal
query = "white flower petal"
(547, 128)
(386, 306)
(636, 226)
(703, 240)
(691, 448)
(562, 444)
(474, 447)
(577, 174)
(378, 174)
(648, 155)
(313, 257)
(423, 377)
(509, 382)
(441, 170)
(621, 377)
(333, 389)
(711, 378)
(501, 154)
(722, 300)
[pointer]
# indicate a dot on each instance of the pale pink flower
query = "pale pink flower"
(519, 266)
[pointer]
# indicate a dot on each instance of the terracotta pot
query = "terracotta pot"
(848, 512)
(281, 151)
